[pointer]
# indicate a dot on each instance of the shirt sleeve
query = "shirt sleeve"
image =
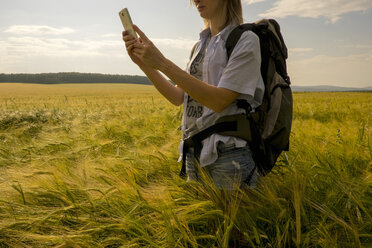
(242, 73)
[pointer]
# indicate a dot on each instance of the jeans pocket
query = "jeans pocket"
(223, 148)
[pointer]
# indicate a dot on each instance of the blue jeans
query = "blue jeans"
(231, 169)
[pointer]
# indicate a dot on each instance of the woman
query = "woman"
(209, 89)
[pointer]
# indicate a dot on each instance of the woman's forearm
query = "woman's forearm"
(208, 95)
(171, 92)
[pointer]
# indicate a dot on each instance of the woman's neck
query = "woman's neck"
(215, 29)
(217, 24)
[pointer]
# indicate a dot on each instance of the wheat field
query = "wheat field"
(94, 165)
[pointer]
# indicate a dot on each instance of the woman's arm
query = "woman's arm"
(210, 96)
(172, 93)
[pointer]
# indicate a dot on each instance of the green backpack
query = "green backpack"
(267, 130)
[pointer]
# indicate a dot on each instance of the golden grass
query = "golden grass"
(95, 166)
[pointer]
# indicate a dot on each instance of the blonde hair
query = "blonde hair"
(233, 10)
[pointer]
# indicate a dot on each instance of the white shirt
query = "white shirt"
(241, 73)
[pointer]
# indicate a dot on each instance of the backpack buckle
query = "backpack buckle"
(287, 79)
(243, 104)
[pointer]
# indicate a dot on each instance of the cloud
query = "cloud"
(27, 46)
(111, 35)
(179, 43)
(248, 2)
(350, 70)
(332, 10)
(38, 30)
(106, 53)
(40, 41)
(301, 50)
(358, 46)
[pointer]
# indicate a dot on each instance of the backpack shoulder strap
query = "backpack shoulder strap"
(235, 35)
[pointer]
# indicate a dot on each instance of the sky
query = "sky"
(329, 42)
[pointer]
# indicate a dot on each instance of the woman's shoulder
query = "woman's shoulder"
(249, 37)
(248, 43)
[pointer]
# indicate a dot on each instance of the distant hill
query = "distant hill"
(76, 77)
(72, 77)
(327, 88)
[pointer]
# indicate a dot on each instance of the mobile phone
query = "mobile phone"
(127, 22)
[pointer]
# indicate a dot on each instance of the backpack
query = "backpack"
(266, 130)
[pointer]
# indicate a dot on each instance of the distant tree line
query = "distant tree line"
(72, 77)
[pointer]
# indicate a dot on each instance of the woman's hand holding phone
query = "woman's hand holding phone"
(129, 41)
(141, 50)
(146, 51)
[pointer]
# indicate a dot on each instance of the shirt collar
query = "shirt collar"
(205, 34)
(223, 34)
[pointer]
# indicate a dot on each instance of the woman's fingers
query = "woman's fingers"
(127, 37)
(142, 51)
(136, 49)
(141, 34)
(130, 42)
(132, 45)
(137, 54)
(135, 45)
